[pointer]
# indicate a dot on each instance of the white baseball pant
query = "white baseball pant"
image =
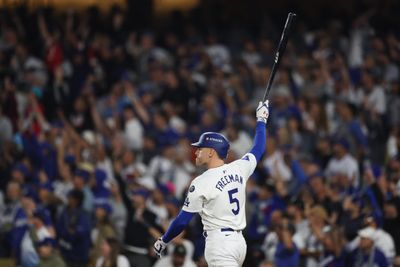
(225, 248)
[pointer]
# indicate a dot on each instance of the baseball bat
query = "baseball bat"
(279, 52)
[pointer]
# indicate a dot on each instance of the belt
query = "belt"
(227, 230)
(223, 230)
(137, 250)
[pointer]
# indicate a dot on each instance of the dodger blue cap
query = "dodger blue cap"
(343, 142)
(216, 141)
(104, 205)
(22, 168)
(82, 173)
(47, 241)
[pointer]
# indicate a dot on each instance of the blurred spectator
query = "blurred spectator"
(10, 104)
(103, 230)
(119, 213)
(391, 222)
(6, 128)
(287, 254)
(48, 255)
(183, 169)
(21, 241)
(181, 240)
(343, 169)
(81, 183)
(73, 231)
(8, 213)
(393, 104)
(367, 253)
(352, 217)
(100, 186)
(268, 202)
(133, 129)
(110, 254)
(350, 130)
(295, 212)
(334, 242)
(47, 199)
(382, 239)
(177, 259)
(274, 161)
(141, 226)
(266, 264)
(156, 204)
(310, 241)
(36, 227)
(161, 167)
(271, 240)
(373, 95)
(239, 139)
(61, 94)
(63, 185)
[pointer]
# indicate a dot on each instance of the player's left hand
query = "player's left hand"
(262, 111)
(159, 247)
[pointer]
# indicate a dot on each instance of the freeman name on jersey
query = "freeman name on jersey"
(227, 179)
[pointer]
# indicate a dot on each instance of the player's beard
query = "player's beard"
(198, 162)
(202, 157)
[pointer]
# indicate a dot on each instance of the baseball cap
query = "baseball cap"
(76, 194)
(29, 192)
(21, 167)
(69, 159)
(48, 241)
(180, 250)
(342, 142)
(83, 174)
(216, 141)
(43, 215)
(374, 217)
(105, 206)
(46, 186)
(140, 192)
(367, 232)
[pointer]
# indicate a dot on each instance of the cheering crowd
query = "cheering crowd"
(97, 117)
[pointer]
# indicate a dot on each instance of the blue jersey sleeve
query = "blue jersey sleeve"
(259, 141)
(178, 225)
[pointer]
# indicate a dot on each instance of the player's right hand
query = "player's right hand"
(262, 111)
(159, 247)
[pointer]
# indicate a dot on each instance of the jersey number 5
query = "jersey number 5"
(233, 199)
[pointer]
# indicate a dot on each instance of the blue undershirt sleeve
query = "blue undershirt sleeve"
(259, 140)
(177, 225)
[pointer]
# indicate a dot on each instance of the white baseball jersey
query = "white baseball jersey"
(219, 194)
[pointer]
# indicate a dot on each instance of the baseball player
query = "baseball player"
(219, 196)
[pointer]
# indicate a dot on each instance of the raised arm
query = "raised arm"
(262, 114)
(122, 189)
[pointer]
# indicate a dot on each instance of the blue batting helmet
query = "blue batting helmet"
(216, 141)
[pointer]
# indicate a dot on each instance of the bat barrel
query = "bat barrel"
(279, 52)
